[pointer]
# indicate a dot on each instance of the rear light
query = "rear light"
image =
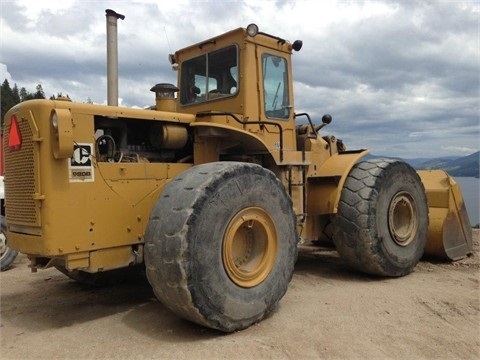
(14, 137)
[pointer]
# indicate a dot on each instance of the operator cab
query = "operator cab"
(233, 71)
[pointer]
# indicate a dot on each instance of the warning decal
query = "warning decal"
(80, 166)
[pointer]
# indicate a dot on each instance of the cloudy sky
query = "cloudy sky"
(401, 78)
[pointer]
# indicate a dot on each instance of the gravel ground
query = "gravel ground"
(329, 312)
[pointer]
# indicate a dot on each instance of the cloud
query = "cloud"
(4, 74)
(400, 78)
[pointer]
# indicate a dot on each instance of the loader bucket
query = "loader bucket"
(449, 230)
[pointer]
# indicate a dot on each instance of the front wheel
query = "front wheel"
(382, 220)
(221, 244)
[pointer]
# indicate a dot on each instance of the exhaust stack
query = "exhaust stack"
(112, 56)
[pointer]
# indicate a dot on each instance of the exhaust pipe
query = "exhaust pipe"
(112, 56)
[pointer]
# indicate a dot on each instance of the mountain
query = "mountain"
(424, 163)
(466, 166)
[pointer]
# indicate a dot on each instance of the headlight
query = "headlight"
(252, 30)
(55, 121)
(62, 133)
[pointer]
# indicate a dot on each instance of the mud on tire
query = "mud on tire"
(382, 220)
(221, 244)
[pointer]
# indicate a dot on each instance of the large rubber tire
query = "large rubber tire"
(7, 254)
(382, 222)
(221, 244)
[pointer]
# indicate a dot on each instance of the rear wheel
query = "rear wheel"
(221, 244)
(382, 220)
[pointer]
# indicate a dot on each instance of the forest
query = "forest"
(11, 96)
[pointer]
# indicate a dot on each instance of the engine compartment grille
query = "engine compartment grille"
(20, 167)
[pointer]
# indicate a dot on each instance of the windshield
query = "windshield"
(209, 76)
(275, 85)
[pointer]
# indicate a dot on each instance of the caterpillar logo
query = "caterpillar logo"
(80, 164)
(82, 155)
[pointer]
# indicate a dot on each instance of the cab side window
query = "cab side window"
(210, 76)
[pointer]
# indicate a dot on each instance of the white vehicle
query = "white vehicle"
(7, 255)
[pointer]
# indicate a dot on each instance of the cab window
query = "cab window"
(210, 76)
(275, 86)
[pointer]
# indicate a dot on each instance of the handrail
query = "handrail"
(211, 113)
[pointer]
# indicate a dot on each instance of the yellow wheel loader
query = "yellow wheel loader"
(212, 189)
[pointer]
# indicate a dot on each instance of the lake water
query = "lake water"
(470, 189)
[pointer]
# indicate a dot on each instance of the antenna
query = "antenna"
(168, 42)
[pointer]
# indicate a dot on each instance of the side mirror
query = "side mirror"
(327, 119)
(297, 45)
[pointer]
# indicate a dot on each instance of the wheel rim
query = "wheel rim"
(402, 219)
(249, 247)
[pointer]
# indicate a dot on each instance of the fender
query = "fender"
(225, 138)
(325, 187)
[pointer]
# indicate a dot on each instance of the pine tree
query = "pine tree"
(39, 94)
(24, 95)
(16, 94)
(6, 95)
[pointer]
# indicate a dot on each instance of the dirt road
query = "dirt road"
(328, 312)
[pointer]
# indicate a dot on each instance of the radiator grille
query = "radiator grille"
(20, 169)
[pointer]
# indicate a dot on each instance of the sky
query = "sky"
(401, 78)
